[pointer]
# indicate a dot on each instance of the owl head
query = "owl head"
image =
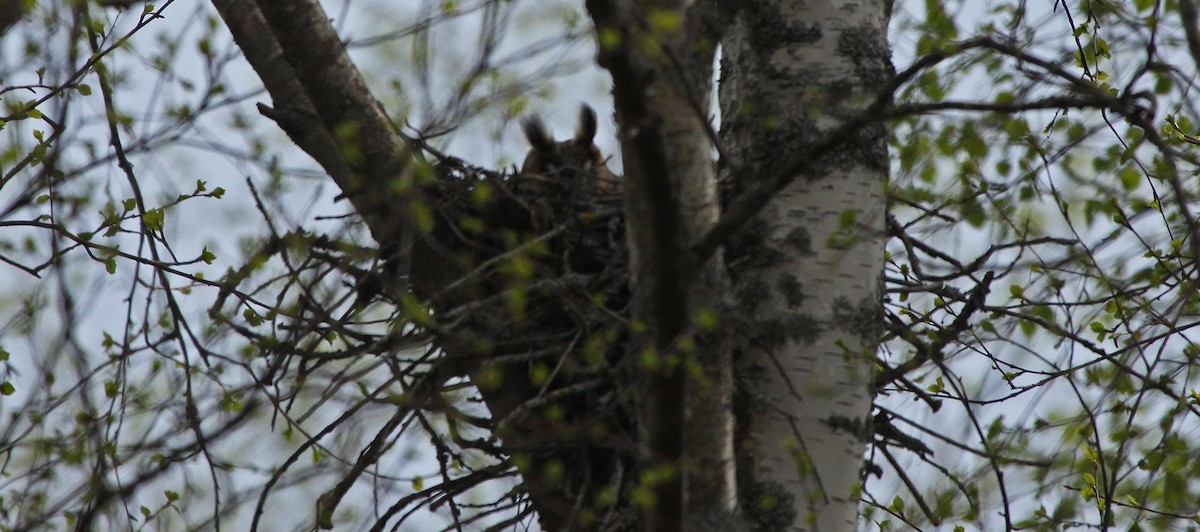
(577, 159)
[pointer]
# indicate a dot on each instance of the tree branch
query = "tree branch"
(324, 105)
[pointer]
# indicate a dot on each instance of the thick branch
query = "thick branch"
(296, 115)
(1188, 16)
(660, 76)
(656, 239)
(323, 103)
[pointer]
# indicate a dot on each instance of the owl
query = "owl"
(577, 161)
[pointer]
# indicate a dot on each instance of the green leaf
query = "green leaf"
(707, 320)
(1130, 177)
(847, 218)
(252, 317)
(154, 219)
(973, 143)
(665, 20)
(7, 388)
(937, 386)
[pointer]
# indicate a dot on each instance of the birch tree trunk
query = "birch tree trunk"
(807, 270)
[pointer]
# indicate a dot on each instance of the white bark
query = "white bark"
(807, 271)
(709, 456)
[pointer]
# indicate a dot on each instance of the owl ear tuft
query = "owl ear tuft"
(535, 133)
(587, 126)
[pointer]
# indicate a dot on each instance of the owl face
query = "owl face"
(574, 159)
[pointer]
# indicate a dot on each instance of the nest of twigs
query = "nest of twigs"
(527, 276)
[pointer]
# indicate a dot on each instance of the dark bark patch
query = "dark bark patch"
(791, 289)
(768, 505)
(863, 319)
(803, 328)
(762, 257)
(867, 48)
(751, 293)
(869, 148)
(800, 239)
(748, 242)
(747, 378)
(777, 146)
(796, 327)
(771, 334)
(772, 30)
(861, 428)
